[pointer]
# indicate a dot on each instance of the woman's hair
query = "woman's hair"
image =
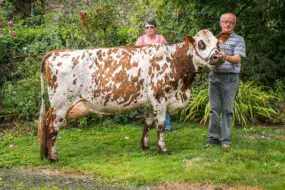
(151, 22)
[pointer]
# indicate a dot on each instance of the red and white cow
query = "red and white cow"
(119, 79)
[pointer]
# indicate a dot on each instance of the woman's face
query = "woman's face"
(150, 29)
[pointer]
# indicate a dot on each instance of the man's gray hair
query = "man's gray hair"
(227, 14)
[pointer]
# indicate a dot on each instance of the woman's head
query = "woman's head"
(150, 27)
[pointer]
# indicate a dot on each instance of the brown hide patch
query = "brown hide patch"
(56, 53)
(158, 88)
(154, 62)
(49, 118)
(83, 55)
(99, 55)
(165, 66)
(59, 64)
(43, 64)
(109, 52)
(184, 67)
(150, 71)
(74, 81)
(135, 64)
(65, 55)
(48, 73)
(53, 82)
(75, 61)
(51, 133)
(115, 50)
(51, 79)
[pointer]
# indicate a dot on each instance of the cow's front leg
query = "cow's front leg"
(147, 125)
(54, 121)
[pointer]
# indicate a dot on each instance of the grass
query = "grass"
(112, 155)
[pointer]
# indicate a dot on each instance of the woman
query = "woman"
(151, 37)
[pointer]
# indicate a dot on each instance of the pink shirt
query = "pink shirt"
(142, 40)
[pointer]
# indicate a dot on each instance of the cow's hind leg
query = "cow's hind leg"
(54, 120)
(147, 125)
(159, 118)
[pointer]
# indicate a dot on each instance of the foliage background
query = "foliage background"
(116, 23)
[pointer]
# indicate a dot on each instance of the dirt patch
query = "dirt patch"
(278, 136)
(70, 179)
(68, 172)
(47, 179)
(203, 186)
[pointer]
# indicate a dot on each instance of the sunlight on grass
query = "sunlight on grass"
(113, 156)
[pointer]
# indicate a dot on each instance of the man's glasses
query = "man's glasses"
(149, 27)
(228, 22)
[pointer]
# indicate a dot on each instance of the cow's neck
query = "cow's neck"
(183, 63)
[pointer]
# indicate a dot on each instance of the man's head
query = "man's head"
(228, 22)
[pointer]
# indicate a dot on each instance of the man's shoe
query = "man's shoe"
(208, 145)
(226, 146)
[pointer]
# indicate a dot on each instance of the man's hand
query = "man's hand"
(233, 59)
(224, 55)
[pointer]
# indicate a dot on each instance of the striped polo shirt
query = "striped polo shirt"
(233, 46)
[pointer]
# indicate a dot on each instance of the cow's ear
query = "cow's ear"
(222, 37)
(189, 40)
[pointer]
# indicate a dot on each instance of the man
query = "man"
(223, 84)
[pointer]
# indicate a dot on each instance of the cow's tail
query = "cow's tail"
(42, 127)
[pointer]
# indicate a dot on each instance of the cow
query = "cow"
(116, 80)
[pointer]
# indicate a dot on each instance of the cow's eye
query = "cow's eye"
(218, 45)
(201, 45)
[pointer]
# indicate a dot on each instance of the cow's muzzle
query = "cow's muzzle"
(217, 59)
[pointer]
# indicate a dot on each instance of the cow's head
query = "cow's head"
(206, 48)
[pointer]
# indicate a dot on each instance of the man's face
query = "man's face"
(227, 23)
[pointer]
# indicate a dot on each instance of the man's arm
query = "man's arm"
(234, 59)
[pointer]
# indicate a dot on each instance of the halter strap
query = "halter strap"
(207, 58)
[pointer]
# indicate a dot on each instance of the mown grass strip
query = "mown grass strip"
(112, 155)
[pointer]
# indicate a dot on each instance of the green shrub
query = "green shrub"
(22, 95)
(253, 104)
(98, 23)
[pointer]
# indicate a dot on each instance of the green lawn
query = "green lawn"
(112, 154)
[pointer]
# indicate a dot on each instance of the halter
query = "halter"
(207, 58)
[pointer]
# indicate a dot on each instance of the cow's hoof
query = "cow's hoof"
(53, 159)
(164, 152)
(145, 147)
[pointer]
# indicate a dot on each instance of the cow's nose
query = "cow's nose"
(216, 58)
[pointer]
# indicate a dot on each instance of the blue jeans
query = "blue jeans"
(223, 89)
(167, 122)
